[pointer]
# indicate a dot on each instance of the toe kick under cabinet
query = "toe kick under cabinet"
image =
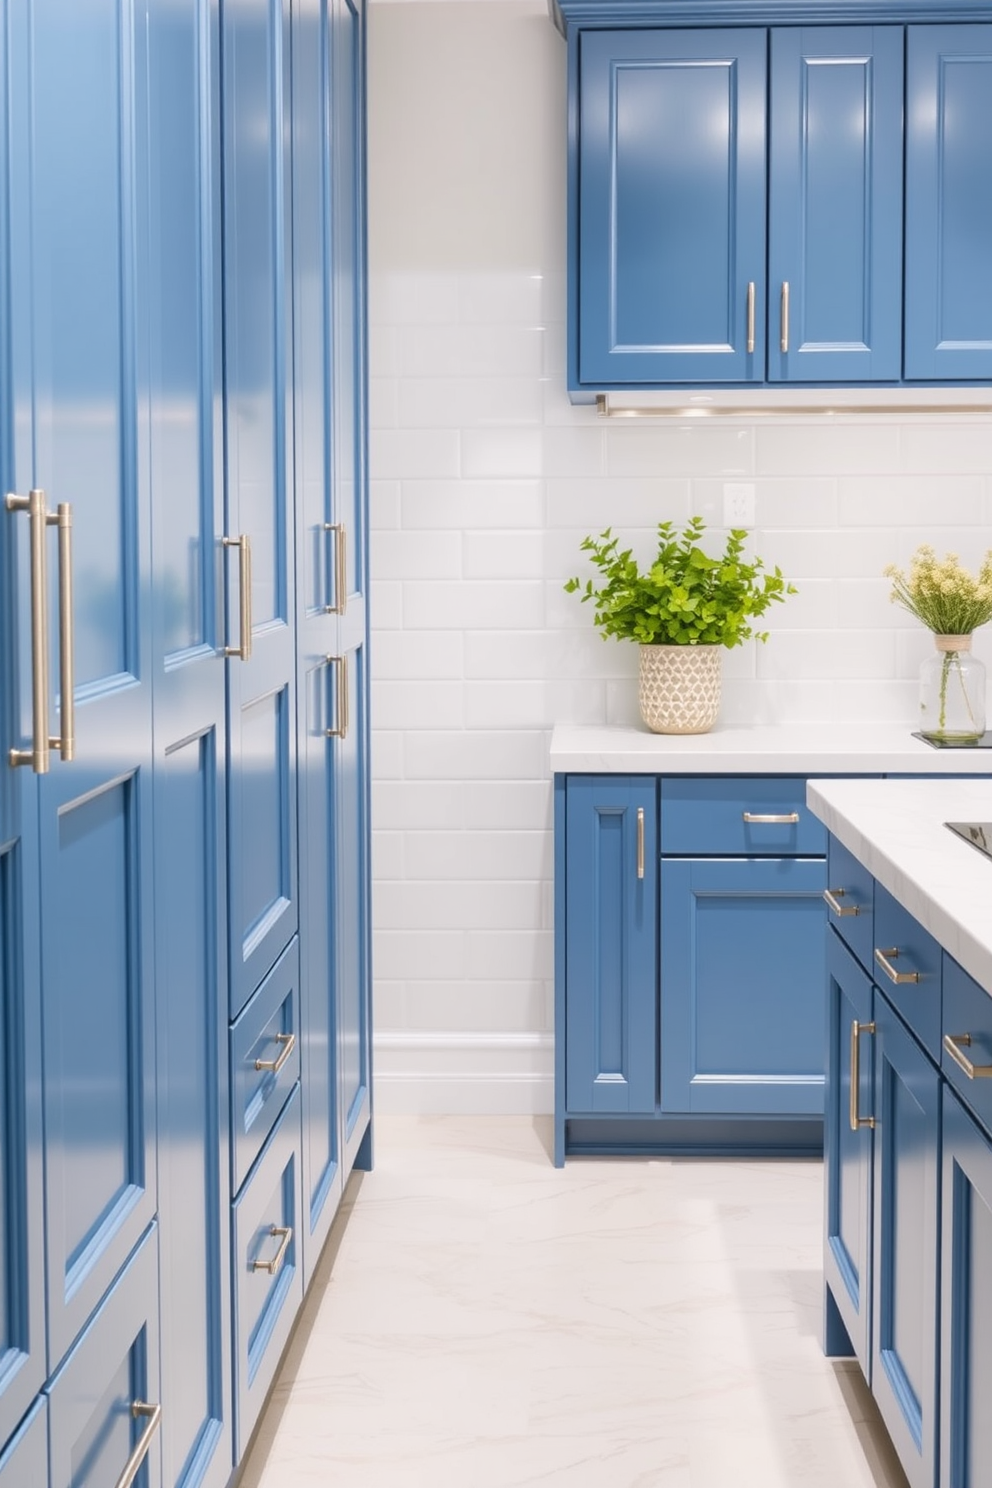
(689, 964)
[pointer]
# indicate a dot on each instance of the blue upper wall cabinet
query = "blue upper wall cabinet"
(736, 204)
(671, 206)
(948, 203)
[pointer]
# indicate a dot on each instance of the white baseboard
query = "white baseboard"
(464, 1073)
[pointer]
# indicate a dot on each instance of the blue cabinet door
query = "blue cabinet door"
(905, 1247)
(77, 90)
(24, 1460)
(671, 214)
(948, 208)
(847, 1152)
(741, 985)
(611, 934)
(179, 208)
(834, 301)
(262, 870)
(966, 1299)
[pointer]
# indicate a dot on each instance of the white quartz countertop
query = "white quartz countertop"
(793, 749)
(896, 829)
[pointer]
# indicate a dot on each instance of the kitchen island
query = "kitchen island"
(908, 1112)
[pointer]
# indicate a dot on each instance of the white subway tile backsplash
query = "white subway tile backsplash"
(384, 402)
(497, 755)
(479, 856)
(418, 705)
(910, 501)
(666, 449)
(494, 555)
(479, 1005)
(499, 350)
(401, 453)
(508, 805)
(827, 655)
(575, 452)
(419, 655)
(412, 954)
(501, 299)
(387, 602)
(514, 906)
(828, 446)
(624, 505)
(513, 705)
(417, 805)
(466, 402)
(945, 447)
(384, 505)
(510, 604)
(422, 555)
(467, 504)
(488, 453)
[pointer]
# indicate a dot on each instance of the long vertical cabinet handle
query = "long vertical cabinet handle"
(66, 742)
(340, 602)
(243, 545)
(750, 318)
(857, 1029)
(640, 841)
(340, 729)
(784, 316)
(38, 755)
(140, 1409)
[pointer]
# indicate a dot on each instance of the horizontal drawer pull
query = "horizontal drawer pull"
(134, 1463)
(833, 898)
(952, 1043)
(288, 1041)
(787, 819)
(885, 959)
(274, 1266)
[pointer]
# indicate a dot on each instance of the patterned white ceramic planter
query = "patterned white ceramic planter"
(679, 690)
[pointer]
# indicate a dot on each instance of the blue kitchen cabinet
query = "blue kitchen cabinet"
(258, 540)
(834, 295)
(847, 1154)
(906, 1220)
(331, 608)
(948, 208)
(741, 987)
(966, 1298)
(610, 945)
(24, 1460)
(671, 203)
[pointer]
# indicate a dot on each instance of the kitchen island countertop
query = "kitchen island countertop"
(896, 829)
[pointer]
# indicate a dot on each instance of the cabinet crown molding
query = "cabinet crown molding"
(573, 15)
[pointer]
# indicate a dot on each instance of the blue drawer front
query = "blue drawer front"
(266, 1033)
(903, 948)
(743, 816)
(268, 1277)
(113, 1367)
(24, 1461)
(851, 901)
(967, 1025)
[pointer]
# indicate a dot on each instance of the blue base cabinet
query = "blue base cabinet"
(185, 1079)
(689, 957)
(908, 1177)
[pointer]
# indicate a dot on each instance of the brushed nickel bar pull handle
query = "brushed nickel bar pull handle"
(66, 742)
(750, 317)
(340, 665)
(640, 841)
(788, 819)
(38, 755)
(833, 898)
(784, 316)
(952, 1043)
(340, 603)
(288, 1041)
(885, 959)
(274, 1266)
(139, 1409)
(857, 1121)
(243, 545)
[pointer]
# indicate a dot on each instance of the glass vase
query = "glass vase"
(952, 692)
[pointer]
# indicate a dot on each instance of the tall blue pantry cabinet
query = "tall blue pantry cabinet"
(184, 1021)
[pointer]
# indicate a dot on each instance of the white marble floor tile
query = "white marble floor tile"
(483, 1320)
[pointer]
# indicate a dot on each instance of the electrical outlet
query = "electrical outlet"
(738, 504)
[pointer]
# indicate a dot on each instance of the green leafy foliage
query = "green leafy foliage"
(686, 598)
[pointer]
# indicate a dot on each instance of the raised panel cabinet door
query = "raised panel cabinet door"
(905, 1223)
(611, 936)
(259, 556)
(834, 301)
(179, 210)
(24, 1459)
(741, 985)
(671, 206)
(847, 1153)
(105, 1404)
(948, 206)
(966, 1299)
(77, 88)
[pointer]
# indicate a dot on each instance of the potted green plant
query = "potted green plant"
(952, 603)
(681, 611)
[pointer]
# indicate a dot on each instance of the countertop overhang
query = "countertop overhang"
(770, 749)
(896, 829)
